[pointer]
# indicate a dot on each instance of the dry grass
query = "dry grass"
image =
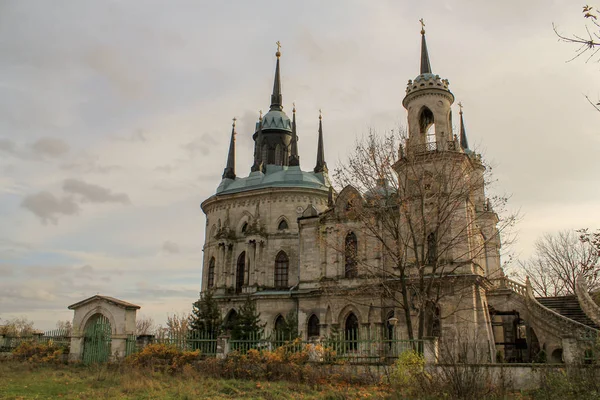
(31, 381)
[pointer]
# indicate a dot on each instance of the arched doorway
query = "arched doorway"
(351, 332)
(313, 328)
(280, 330)
(97, 339)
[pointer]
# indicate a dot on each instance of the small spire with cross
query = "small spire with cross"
(260, 115)
(422, 26)
(294, 107)
(320, 114)
(278, 54)
(460, 106)
(234, 119)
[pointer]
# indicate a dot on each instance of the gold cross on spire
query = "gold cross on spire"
(260, 114)
(460, 106)
(294, 108)
(320, 114)
(422, 26)
(234, 119)
(278, 54)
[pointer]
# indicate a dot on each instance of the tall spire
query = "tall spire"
(425, 65)
(294, 157)
(321, 164)
(257, 166)
(229, 172)
(463, 134)
(276, 98)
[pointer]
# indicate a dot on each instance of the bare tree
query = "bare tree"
(65, 326)
(18, 326)
(589, 43)
(176, 326)
(144, 325)
(558, 260)
(424, 215)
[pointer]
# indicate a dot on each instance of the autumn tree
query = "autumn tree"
(18, 326)
(424, 215)
(144, 325)
(558, 260)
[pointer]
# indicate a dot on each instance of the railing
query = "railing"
(59, 337)
(546, 316)
(206, 342)
(354, 346)
(433, 146)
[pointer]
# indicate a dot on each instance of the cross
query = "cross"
(320, 114)
(278, 43)
(460, 106)
(260, 113)
(294, 104)
(422, 26)
(234, 119)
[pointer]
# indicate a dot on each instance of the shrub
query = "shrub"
(32, 351)
(409, 373)
(162, 357)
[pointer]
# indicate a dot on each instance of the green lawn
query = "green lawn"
(27, 381)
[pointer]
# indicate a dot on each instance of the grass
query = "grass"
(29, 381)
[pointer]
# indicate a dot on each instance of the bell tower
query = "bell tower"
(428, 102)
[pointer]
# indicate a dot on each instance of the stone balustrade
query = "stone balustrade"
(588, 305)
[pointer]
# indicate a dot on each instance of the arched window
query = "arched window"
(351, 332)
(278, 158)
(279, 328)
(230, 320)
(244, 227)
(390, 326)
(282, 225)
(427, 127)
(240, 272)
(211, 273)
(313, 327)
(431, 248)
(350, 254)
(282, 264)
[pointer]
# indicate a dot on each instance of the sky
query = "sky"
(115, 119)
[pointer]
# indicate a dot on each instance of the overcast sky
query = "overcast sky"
(115, 119)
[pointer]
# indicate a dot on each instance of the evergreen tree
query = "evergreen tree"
(247, 325)
(206, 317)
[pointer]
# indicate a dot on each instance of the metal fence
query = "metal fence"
(60, 337)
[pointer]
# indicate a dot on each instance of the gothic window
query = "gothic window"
(351, 332)
(265, 154)
(313, 327)
(390, 327)
(282, 225)
(211, 272)
(240, 272)
(244, 227)
(278, 158)
(431, 248)
(282, 264)
(350, 253)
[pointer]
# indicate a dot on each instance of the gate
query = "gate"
(97, 341)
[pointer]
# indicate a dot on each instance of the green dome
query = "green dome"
(276, 119)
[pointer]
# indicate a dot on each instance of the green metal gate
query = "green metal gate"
(97, 341)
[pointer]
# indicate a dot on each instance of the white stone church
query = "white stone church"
(287, 239)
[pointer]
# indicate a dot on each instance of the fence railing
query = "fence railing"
(60, 337)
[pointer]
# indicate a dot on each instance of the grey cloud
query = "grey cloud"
(170, 247)
(90, 167)
(94, 193)
(167, 169)
(50, 147)
(48, 207)
(202, 144)
(7, 146)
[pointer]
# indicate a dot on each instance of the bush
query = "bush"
(408, 375)
(162, 357)
(39, 352)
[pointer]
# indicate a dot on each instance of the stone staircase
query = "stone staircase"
(567, 306)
